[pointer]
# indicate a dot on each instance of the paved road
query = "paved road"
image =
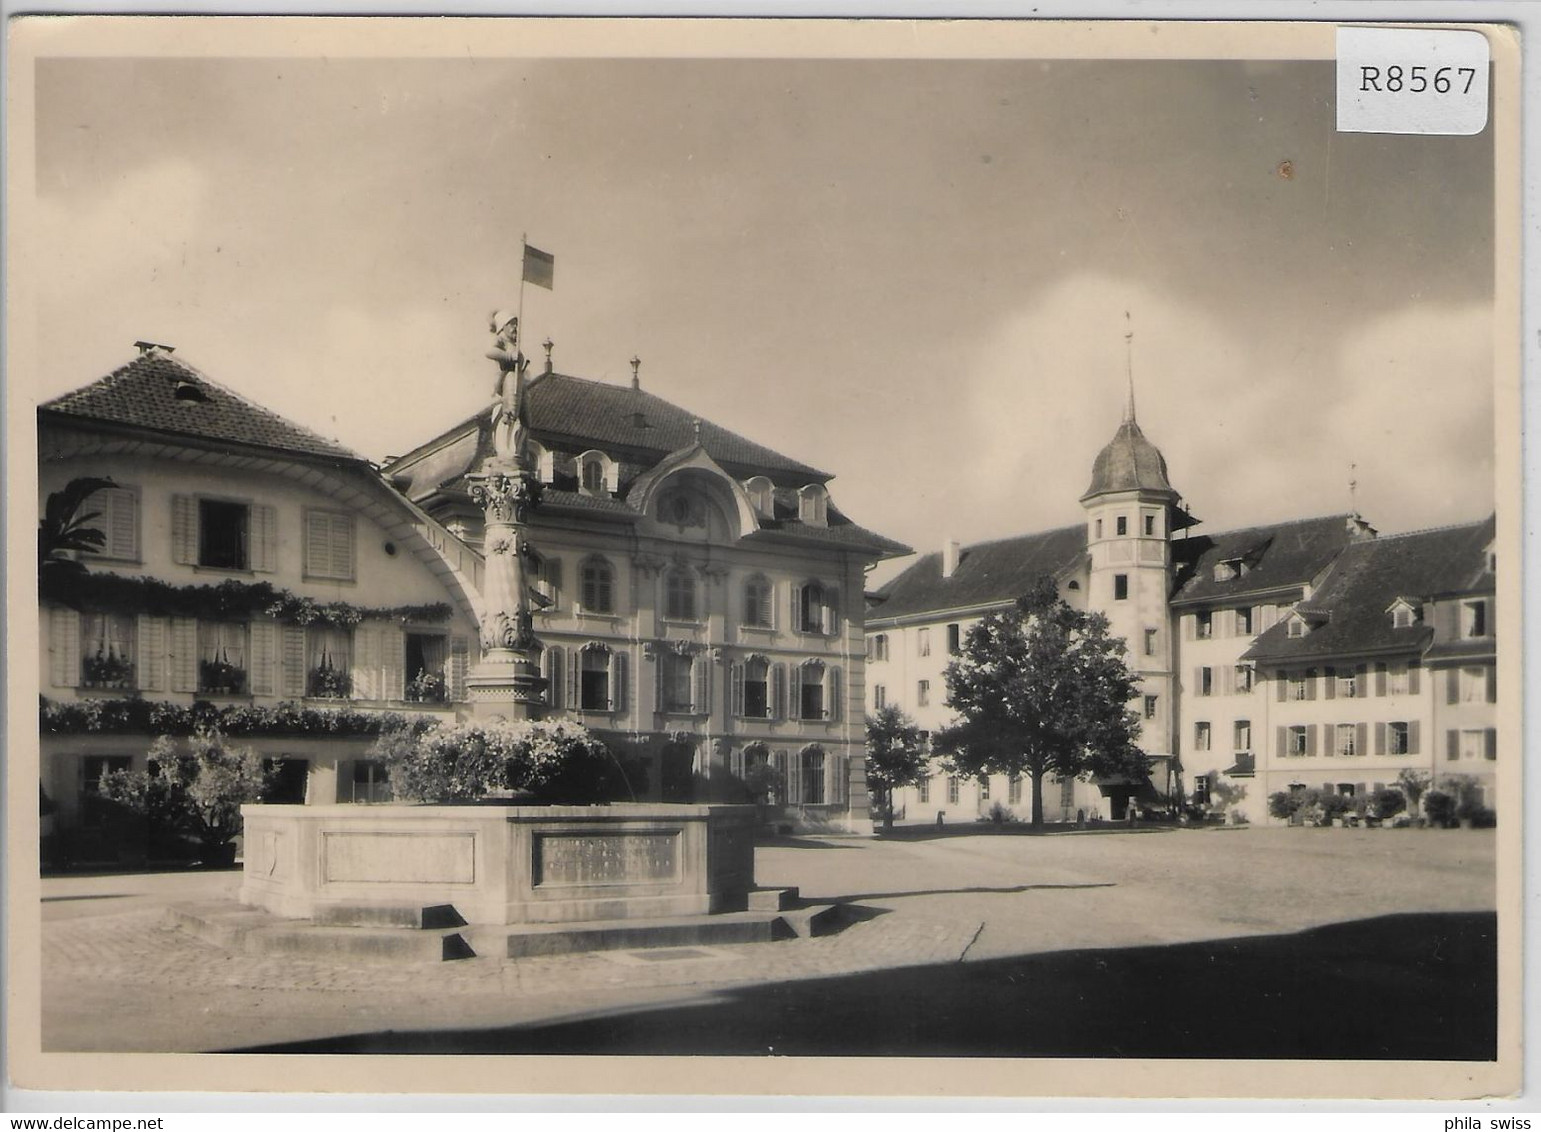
(115, 979)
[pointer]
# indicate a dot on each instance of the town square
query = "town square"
(603, 554)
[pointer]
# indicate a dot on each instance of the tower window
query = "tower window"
(1150, 707)
(1203, 625)
(1122, 524)
(1150, 526)
(1150, 642)
(1099, 528)
(953, 640)
(1120, 586)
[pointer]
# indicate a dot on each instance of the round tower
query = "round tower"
(1131, 511)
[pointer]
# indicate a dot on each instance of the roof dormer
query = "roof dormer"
(1405, 613)
(813, 505)
(762, 493)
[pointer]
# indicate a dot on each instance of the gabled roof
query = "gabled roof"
(1366, 578)
(1278, 555)
(582, 414)
(164, 394)
(988, 573)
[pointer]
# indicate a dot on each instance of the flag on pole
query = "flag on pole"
(539, 267)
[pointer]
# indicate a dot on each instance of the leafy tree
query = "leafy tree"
(1414, 783)
(64, 529)
(193, 788)
(896, 756)
(1042, 688)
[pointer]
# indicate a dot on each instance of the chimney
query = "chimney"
(950, 551)
(1359, 530)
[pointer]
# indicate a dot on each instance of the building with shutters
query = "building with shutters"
(1294, 655)
(248, 563)
(699, 596)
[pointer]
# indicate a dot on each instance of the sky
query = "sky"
(918, 276)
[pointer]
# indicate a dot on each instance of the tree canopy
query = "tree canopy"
(1042, 688)
(896, 756)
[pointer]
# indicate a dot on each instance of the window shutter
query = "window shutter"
(778, 705)
(459, 664)
(795, 623)
(795, 693)
(264, 658)
(551, 569)
(184, 530)
(184, 654)
(1282, 681)
(1380, 678)
(779, 762)
(1188, 622)
(832, 693)
(393, 662)
(120, 512)
(660, 662)
(1412, 737)
(551, 669)
(1310, 740)
(264, 538)
(1227, 680)
(1310, 683)
(1490, 744)
(574, 679)
(367, 684)
(736, 683)
(1452, 746)
(1330, 685)
(831, 611)
(701, 684)
(1452, 685)
(1280, 739)
(1362, 680)
(318, 544)
(795, 778)
(292, 662)
(618, 680)
(64, 645)
(151, 669)
(1492, 685)
(1362, 740)
(736, 762)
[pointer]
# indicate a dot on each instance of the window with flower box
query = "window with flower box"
(426, 668)
(222, 667)
(328, 662)
(107, 651)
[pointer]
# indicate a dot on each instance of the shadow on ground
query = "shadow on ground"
(1023, 829)
(1417, 986)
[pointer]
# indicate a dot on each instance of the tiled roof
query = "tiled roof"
(584, 414)
(1367, 577)
(159, 392)
(1129, 462)
(1281, 554)
(987, 573)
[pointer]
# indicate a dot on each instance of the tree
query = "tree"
(1042, 688)
(896, 756)
(193, 788)
(1414, 783)
(64, 529)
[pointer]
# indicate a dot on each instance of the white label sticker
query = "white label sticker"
(1412, 81)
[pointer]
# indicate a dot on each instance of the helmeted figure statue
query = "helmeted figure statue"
(508, 394)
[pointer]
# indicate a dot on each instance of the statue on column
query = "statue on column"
(508, 393)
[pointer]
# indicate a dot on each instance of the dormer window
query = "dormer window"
(762, 495)
(539, 457)
(1474, 619)
(596, 473)
(1224, 572)
(1404, 615)
(1297, 626)
(813, 505)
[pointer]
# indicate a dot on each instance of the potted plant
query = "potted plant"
(427, 688)
(221, 678)
(106, 669)
(328, 682)
(1440, 809)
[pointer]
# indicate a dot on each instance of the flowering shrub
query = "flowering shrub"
(110, 717)
(427, 688)
(546, 760)
(193, 787)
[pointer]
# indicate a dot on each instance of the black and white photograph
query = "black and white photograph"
(749, 547)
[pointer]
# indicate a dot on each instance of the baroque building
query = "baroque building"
(1311, 653)
(699, 597)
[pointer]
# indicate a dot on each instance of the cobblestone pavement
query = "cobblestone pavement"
(116, 978)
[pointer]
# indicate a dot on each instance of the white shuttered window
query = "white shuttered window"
(329, 545)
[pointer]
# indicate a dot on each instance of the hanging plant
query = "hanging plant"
(160, 717)
(230, 600)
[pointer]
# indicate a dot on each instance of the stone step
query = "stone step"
(428, 918)
(529, 940)
(238, 928)
(814, 919)
(772, 899)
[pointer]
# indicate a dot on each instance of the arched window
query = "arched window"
(757, 602)
(541, 459)
(680, 595)
(593, 478)
(815, 608)
(811, 775)
(598, 582)
(810, 691)
(762, 495)
(756, 694)
(594, 678)
(813, 505)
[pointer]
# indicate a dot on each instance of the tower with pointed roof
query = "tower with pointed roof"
(1131, 511)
